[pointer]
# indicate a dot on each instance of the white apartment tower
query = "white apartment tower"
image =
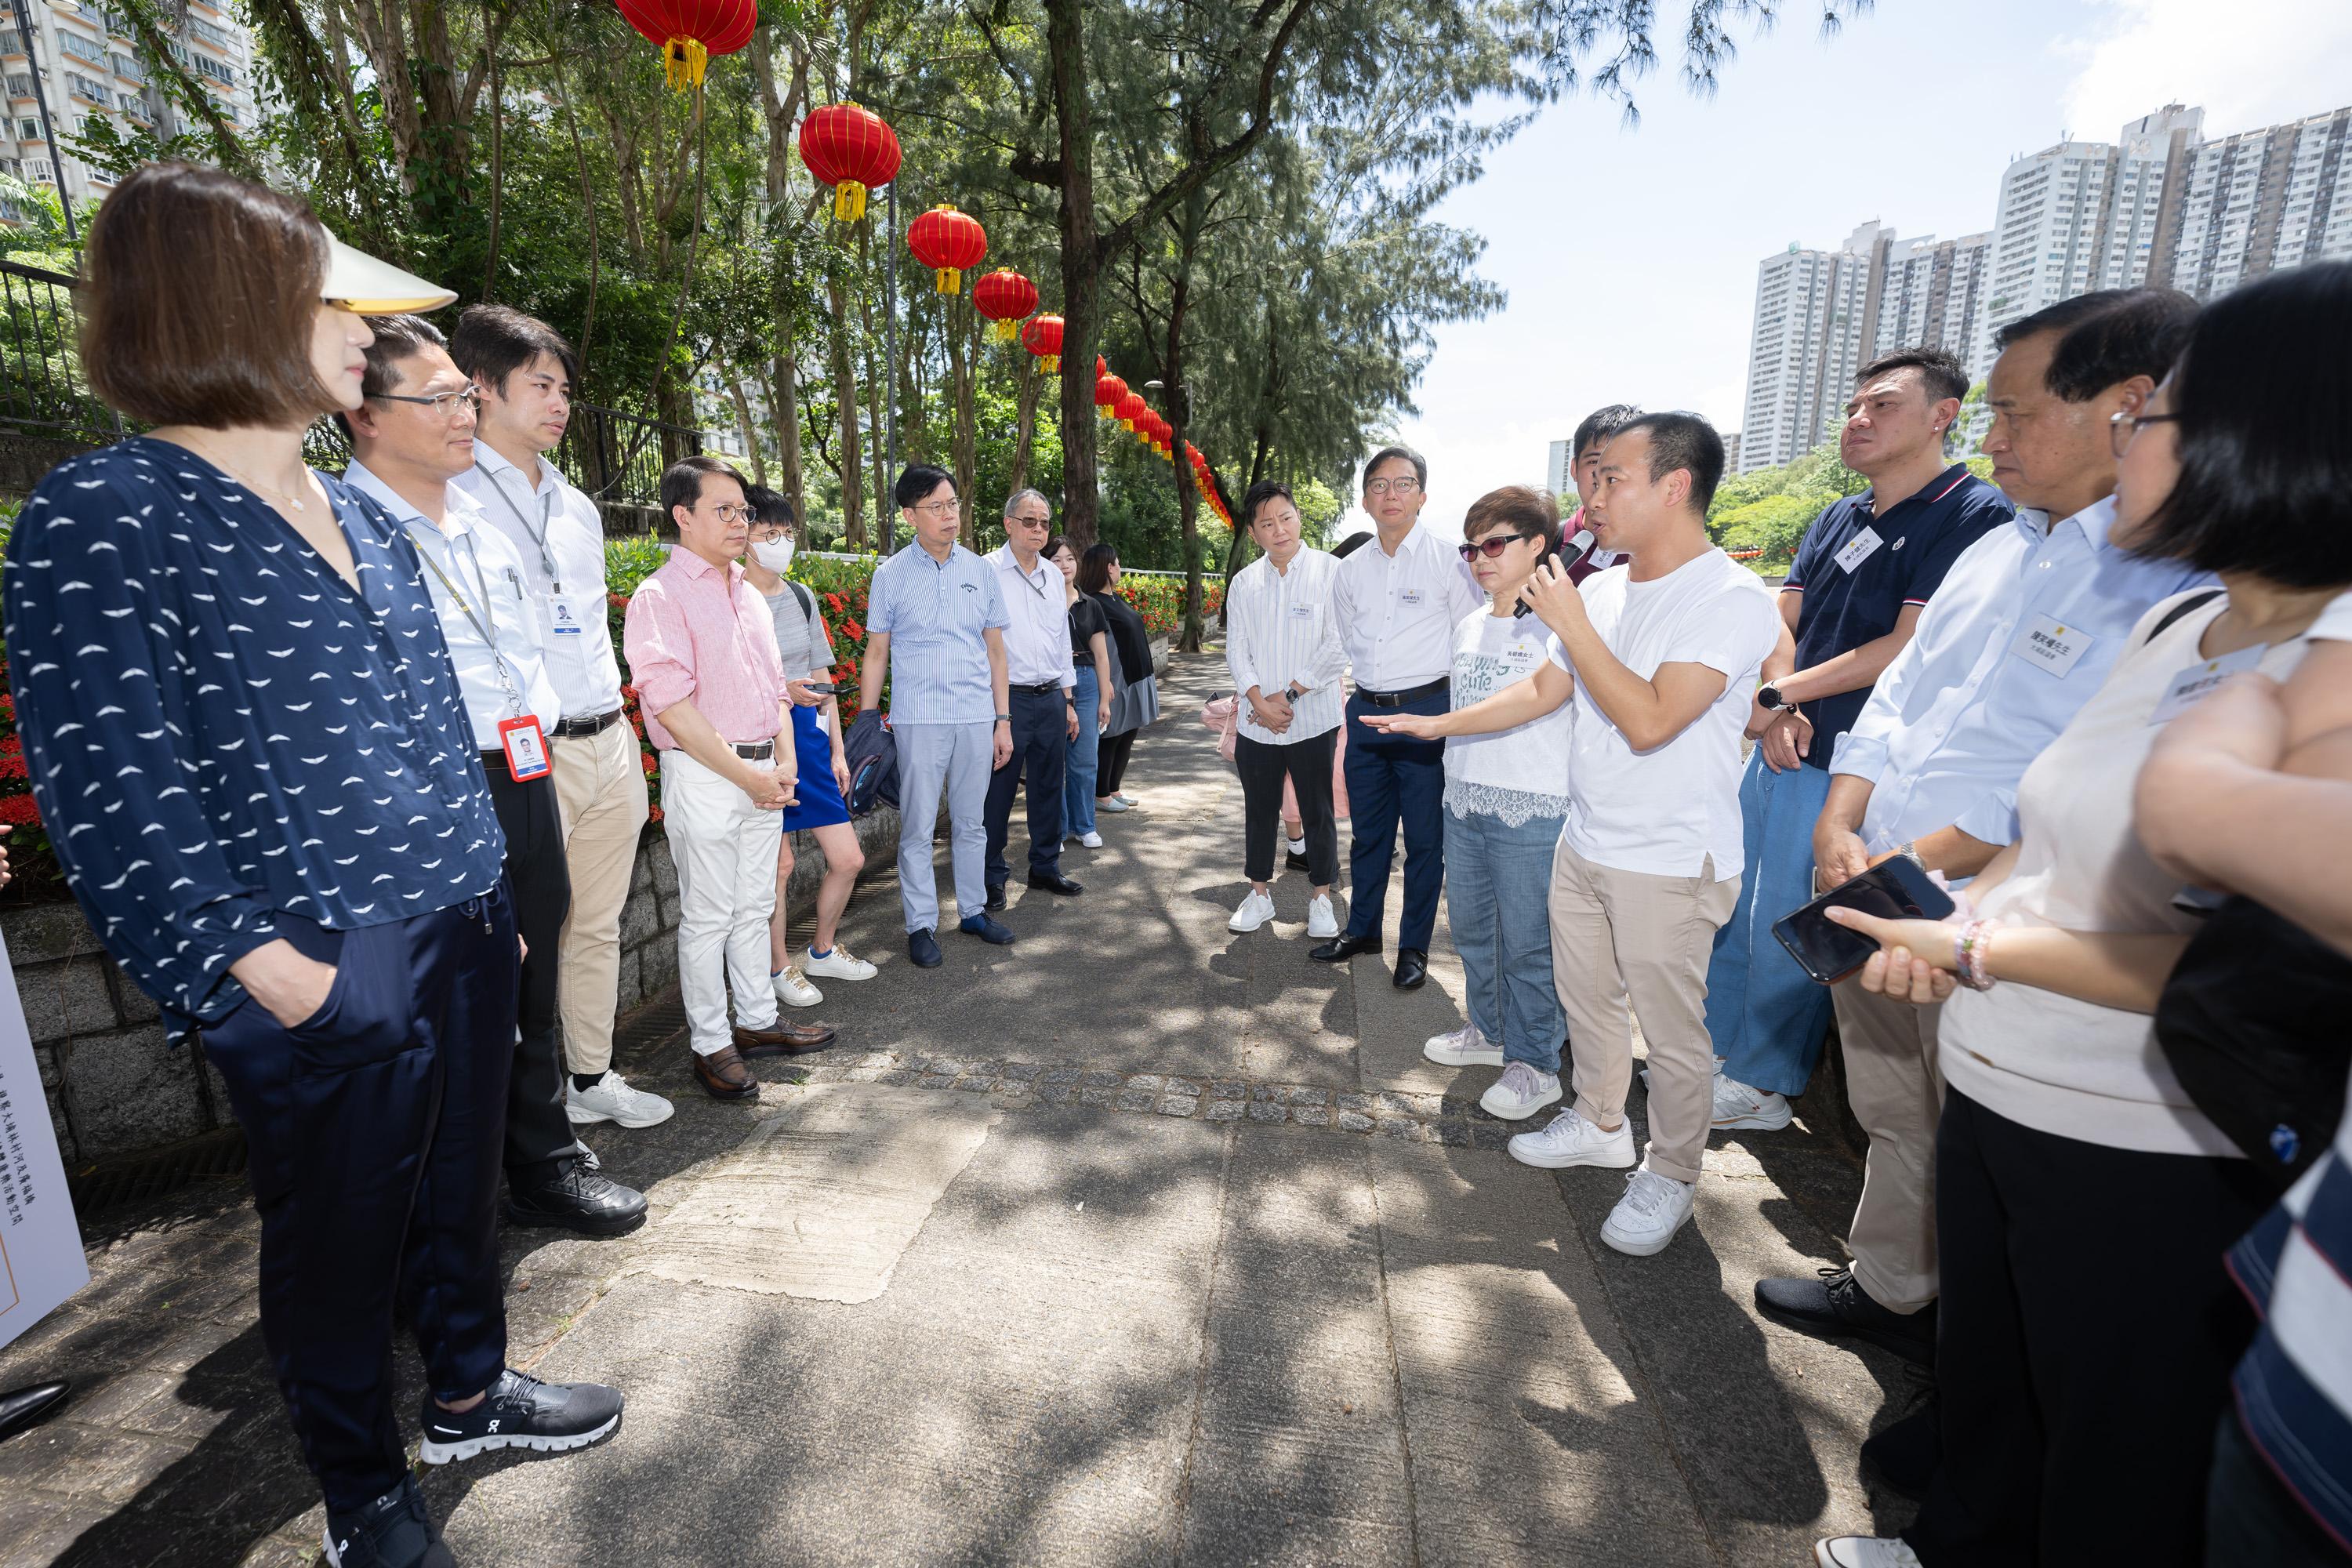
(1558, 480)
(2260, 202)
(90, 65)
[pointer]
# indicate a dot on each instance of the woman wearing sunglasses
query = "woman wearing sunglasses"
(1506, 796)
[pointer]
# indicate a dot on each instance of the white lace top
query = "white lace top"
(1514, 774)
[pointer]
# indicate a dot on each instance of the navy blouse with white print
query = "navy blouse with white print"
(218, 729)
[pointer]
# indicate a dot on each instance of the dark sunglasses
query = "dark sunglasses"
(1493, 547)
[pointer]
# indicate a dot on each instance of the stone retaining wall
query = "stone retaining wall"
(116, 1089)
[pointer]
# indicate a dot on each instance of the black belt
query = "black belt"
(596, 726)
(1398, 699)
(755, 751)
(1040, 686)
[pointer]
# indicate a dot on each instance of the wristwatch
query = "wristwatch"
(1769, 696)
(1004, 718)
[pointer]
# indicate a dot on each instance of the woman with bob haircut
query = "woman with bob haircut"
(1135, 697)
(2084, 1201)
(247, 746)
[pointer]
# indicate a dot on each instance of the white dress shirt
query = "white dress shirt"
(470, 567)
(1280, 630)
(1037, 640)
(559, 535)
(2025, 625)
(1397, 613)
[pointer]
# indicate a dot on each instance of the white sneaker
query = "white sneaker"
(1736, 1105)
(1322, 920)
(1111, 803)
(610, 1098)
(1464, 1048)
(1256, 910)
(1864, 1551)
(1520, 1093)
(792, 988)
(1569, 1139)
(1091, 840)
(1647, 1216)
(839, 965)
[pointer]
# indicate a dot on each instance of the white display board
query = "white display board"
(41, 1260)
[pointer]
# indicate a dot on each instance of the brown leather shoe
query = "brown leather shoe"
(724, 1075)
(783, 1040)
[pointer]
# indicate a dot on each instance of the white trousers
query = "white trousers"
(725, 848)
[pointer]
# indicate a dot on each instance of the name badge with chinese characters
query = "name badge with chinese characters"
(1859, 549)
(1523, 654)
(1302, 612)
(563, 619)
(2051, 645)
(526, 746)
(2193, 685)
(1415, 596)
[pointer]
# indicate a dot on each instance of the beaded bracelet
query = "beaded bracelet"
(1971, 951)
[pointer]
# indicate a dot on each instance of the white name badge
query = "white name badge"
(1859, 549)
(562, 619)
(2193, 685)
(1522, 654)
(2050, 646)
(1302, 612)
(1412, 596)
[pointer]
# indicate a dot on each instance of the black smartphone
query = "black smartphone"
(1895, 890)
(824, 688)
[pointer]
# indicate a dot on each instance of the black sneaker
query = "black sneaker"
(583, 1198)
(1835, 1307)
(521, 1412)
(393, 1532)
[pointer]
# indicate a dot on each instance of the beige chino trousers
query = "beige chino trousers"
(599, 788)
(1895, 1082)
(1621, 936)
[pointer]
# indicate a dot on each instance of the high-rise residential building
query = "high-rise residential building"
(2258, 202)
(90, 65)
(1558, 480)
(1730, 452)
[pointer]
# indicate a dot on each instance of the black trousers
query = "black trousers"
(1111, 770)
(539, 1135)
(1308, 765)
(1041, 747)
(373, 1129)
(2252, 1517)
(2084, 1348)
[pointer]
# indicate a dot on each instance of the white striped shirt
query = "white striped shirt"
(1397, 613)
(1280, 630)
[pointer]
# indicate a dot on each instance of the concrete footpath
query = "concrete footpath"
(1137, 1242)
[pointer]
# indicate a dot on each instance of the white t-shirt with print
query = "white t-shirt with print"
(1518, 773)
(1669, 811)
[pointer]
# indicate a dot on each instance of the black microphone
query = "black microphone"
(1570, 553)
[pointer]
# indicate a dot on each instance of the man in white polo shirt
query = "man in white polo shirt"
(1661, 659)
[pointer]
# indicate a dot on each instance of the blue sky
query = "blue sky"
(1630, 254)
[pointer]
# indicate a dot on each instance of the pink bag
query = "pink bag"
(1221, 714)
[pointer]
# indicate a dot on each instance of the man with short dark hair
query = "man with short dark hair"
(2023, 628)
(1396, 607)
(1866, 571)
(1593, 433)
(702, 648)
(410, 438)
(524, 371)
(1040, 690)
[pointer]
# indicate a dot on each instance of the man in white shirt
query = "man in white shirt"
(523, 371)
(1397, 602)
(1040, 685)
(411, 436)
(1661, 658)
(1282, 649)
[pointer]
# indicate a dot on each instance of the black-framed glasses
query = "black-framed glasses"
(2123, 428)
(1404, 486)
(445, 404)
(1492, 546)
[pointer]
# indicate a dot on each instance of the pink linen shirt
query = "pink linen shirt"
(693, 631)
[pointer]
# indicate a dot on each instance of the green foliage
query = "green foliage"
(1767, 511)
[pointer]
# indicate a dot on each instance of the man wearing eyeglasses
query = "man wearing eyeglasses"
(411, 436)
(1041, 686)
(1396, 606)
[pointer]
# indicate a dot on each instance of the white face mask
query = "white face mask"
(776, 555)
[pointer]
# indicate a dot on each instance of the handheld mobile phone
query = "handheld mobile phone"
(1894, 890)
(822, 688)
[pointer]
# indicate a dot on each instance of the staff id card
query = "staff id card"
(563, 617)
(2193, 685)
(526, 746)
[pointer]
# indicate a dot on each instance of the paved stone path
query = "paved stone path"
(1135, 1243)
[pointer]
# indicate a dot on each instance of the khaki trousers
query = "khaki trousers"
(1896, 1085)
(1627, 935)
(599, 788)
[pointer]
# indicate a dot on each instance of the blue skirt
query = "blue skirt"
(818, 802)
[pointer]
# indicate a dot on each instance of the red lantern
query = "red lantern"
(1109, 391)
(1042, 337)
(1132, 411)
(1004, 297)
(690, 31)
(949, 243)
(849, 147)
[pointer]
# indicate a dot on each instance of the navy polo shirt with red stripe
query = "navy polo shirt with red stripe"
(1856, 587)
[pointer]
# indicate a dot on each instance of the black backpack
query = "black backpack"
(872, 754)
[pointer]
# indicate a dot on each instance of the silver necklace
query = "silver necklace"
(250, 482)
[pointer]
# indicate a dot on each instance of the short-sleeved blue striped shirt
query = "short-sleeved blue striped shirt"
(218, 729)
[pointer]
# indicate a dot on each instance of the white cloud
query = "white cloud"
(2248, 64)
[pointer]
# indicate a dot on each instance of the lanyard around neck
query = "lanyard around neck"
(484, 624)
(539, 534)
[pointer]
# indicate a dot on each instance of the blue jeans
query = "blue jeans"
(1766, 1018)
(1078, 774)
(1498, 888)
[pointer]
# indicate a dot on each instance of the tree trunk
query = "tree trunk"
(845, 397)
(1024, 426)
(1180, 414)
(963, 364)
(751, 432)
(782, 386)
(1065, 41)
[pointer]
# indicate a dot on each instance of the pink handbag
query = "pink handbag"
(1222, 714)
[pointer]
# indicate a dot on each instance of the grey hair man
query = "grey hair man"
(1042, 683)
